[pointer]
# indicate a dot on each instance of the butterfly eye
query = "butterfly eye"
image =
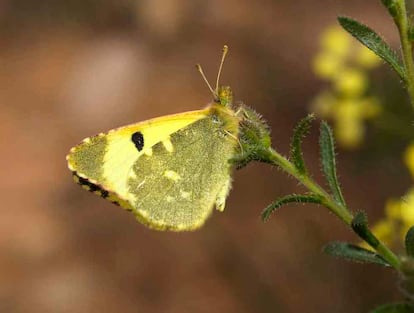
(215, 119)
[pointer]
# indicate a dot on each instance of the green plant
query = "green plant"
(256, 146)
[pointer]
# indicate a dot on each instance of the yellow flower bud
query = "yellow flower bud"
(326, 65)
(351, 82)
(336, 41)
(349, 132)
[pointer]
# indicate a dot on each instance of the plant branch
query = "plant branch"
(273, 157)
(401, 20)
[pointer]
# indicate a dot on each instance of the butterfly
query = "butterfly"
(170, 171)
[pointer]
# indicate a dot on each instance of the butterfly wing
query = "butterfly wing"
(169, 171)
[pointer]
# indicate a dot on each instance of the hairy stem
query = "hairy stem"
(401, 21)
(275, 158)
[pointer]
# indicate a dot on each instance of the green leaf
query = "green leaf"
(353, 253)
(409, 242)
(394, 308)
(327, 151)
(374, 42)
(308, 198)
(360, 225)
(301, 130)
(392, 6)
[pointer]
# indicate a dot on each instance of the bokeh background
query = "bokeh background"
(71, 69)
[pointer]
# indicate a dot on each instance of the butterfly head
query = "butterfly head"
(224, 96)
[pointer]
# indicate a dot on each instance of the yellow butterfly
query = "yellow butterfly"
(170, 171)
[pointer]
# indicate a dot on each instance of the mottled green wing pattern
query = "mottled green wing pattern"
(170, 171)
(177, 186)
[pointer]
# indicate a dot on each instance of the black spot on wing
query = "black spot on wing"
(138, 140)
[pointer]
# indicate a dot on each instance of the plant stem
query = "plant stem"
(275, 158)
(308, 182)
(401, 21)
(388, 255)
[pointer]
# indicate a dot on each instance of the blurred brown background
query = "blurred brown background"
(70, 69)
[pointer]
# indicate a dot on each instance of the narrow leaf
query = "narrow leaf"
(374, 42)
(327, 151)
(409, 242)
(392, 6)
(394, 308)
(360, 226)
(353, 253)
(308, 198)
(301, 130)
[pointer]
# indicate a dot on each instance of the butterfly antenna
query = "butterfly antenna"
(223, 57)
(198, 66)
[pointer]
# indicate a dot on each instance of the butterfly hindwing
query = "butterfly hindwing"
(177, 188)
(169, 171)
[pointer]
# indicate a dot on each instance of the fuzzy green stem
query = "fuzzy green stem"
(340, 211)
(275, 158)
(388, 255)
(401, 20)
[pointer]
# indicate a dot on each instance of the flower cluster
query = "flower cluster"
(344, 65)
(399, 213)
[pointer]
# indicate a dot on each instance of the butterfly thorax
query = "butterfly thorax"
(227, 118)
